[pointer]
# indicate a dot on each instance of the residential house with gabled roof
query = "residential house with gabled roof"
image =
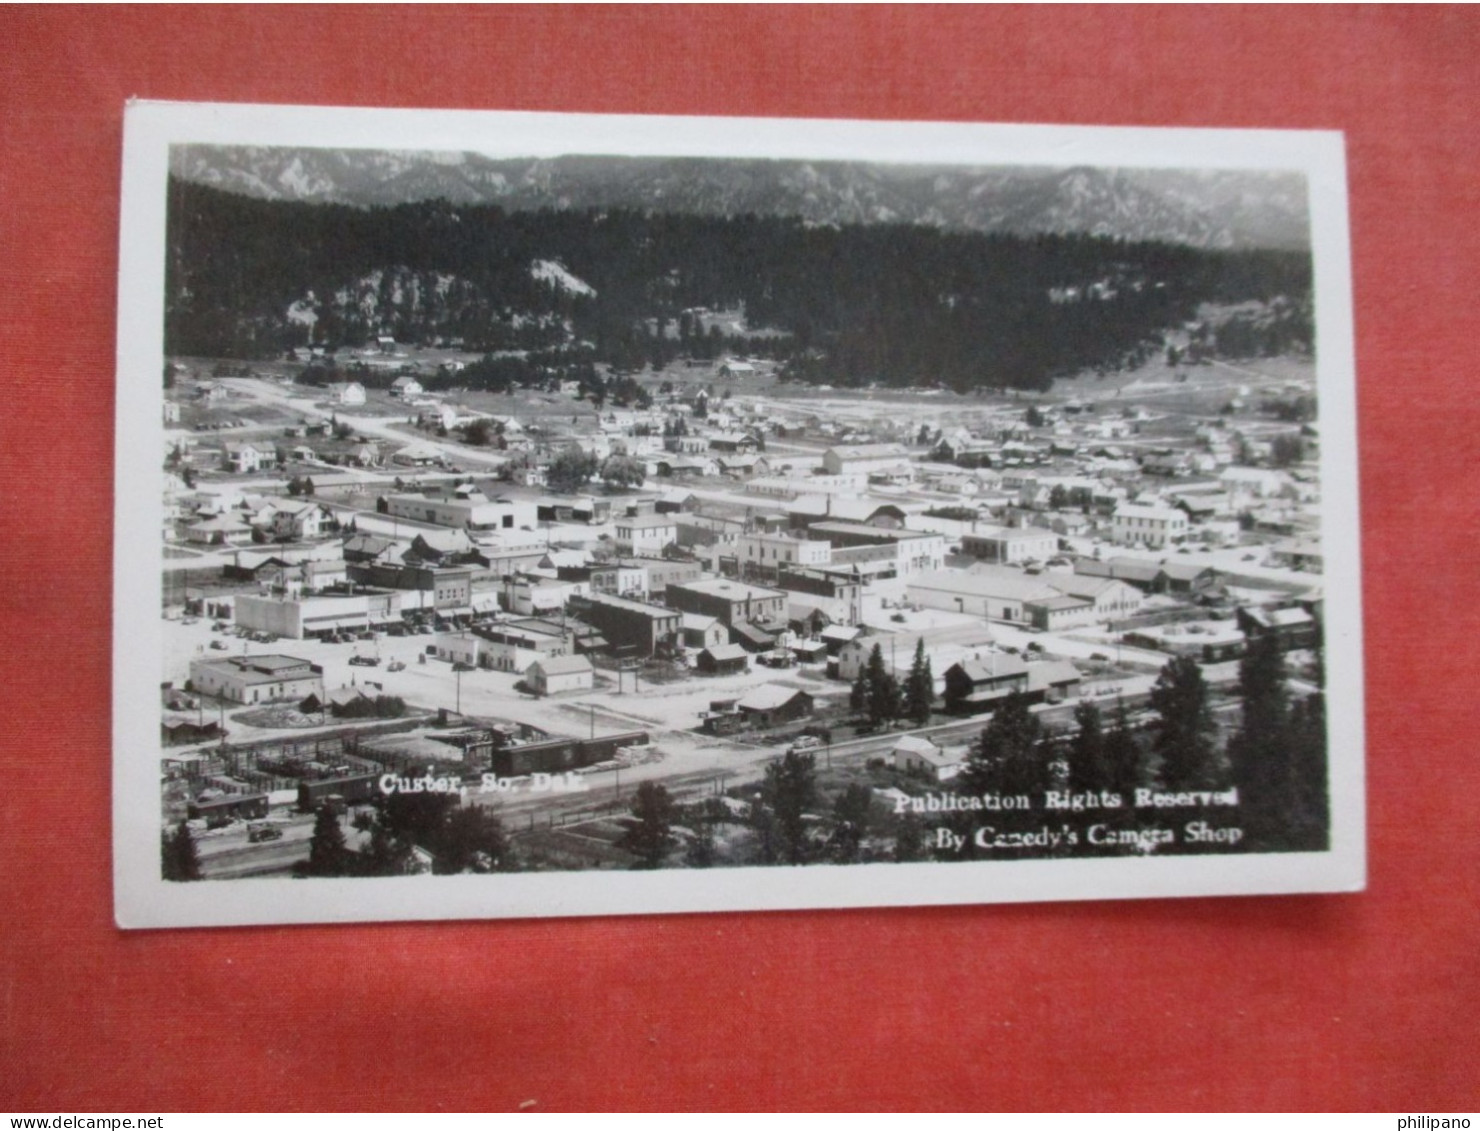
(222, 530)
(914, 754)
(302, 521)
(244, 458)
(370, 548)
(551, 675)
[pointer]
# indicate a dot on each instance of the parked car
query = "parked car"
(396, 666)
(219, 645)
(265, 832)
(365, 661)
(805, 742)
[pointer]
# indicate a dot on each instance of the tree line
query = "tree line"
(897, 304)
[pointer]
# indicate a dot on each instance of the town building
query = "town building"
(534, 636)
(1292, 626)
(446, 589)
(807, 510)
(220, 530)
(994, 592)
(882, 552)
(319, 614)
(1149, 526)
(645, 534)
(560, 674)
(469, 510)
(977, 684)
(1011, 546)
(459, 648)
(762, 554)
(732, 602)
(257, 679)
(772, 704)
(722, 659)
(868, 459)
(1298, 553)
(302, 521)
(244, 458)
(630, 626)
(537, 596)
(700, 631)
(662, 572)
(913, 754)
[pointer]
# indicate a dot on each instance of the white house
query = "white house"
(560, 673)
(301, 521)
(351, 393)
(405, 387)
(244, 458)
(919, 755)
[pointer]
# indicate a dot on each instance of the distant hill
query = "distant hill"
(832, 303)
(1198, 208)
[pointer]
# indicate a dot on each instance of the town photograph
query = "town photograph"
(609, 514)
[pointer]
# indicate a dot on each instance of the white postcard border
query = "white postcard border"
(144, 900)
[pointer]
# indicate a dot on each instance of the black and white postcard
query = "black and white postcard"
(535, 515)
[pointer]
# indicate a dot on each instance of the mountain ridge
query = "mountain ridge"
(1231, 209)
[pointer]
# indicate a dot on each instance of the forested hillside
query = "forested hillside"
(842, 304)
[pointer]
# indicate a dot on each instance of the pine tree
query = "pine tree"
(851, 814)
(650, 838)
(909, 840)
(181, 861)
(1188, 758)
(883, 689)
(471, 839)
(703, 850)
(327, 853)
(788, 792)
(1007, 759)
(1124, 761)
(1279, 756)
(920, 687)
(1089, 769)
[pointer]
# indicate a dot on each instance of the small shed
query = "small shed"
(723, 659)
(560, 673)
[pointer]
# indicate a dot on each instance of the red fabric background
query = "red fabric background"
(1366, 1001)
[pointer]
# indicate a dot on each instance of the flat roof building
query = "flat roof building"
(257, 679)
